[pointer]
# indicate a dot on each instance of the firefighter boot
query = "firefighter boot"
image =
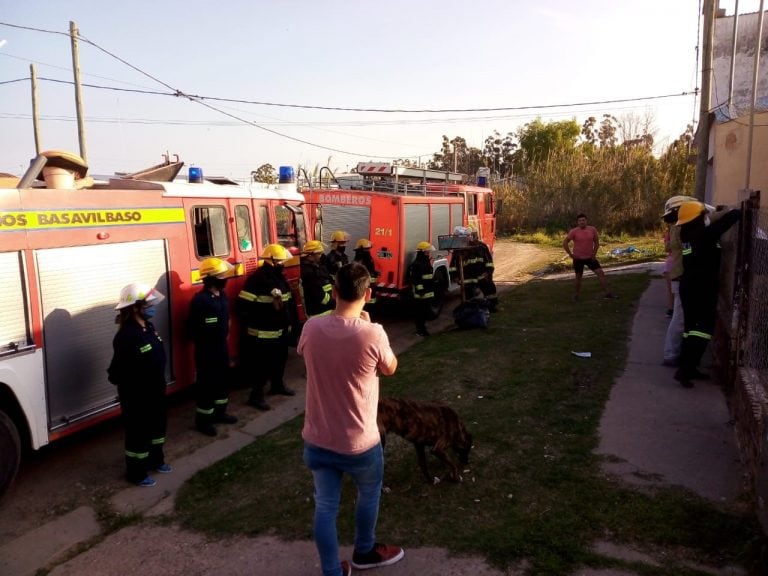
(221, 416)
(256, 399)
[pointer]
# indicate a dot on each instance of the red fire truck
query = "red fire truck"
(65, 255)
(396, 207)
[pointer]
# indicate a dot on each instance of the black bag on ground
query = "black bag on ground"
(472, 314)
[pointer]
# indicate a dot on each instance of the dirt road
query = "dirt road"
(86, 470)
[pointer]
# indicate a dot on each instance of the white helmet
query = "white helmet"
(136, 292)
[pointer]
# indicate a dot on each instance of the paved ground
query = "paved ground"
(654, 431)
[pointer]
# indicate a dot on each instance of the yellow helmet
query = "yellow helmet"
(424, 246)
(275, 252)
(314, 247)
(363, 243)
(339, 236)
(216, 267)
(137, 292)
(689, 211)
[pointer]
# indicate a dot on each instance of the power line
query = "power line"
(179, 93)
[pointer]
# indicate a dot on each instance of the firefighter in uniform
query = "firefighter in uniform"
(138, 370)
(208, 326)
(485, 268)
(268, 316)
(364, 257)
(699, 282)
(470, 261)
(420, 275)
(316, 282)
(337, 257)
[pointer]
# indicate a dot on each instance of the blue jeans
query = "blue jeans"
(327, 467)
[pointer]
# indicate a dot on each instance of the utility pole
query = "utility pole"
(73, 33)
(702, 133)
(35, 119)
(755, 76)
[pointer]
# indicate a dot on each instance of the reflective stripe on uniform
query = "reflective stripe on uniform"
(211, 320)
(265, 334)
(204, 412)
(427, 276)
(424, 296)
(326, 298)
(264, 299)
(145, 348)
(137, 455)
(245, 295)
(699, 334)
(157, 441)
(221, 401)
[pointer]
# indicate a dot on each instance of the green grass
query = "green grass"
(534, 491)
(649, 248)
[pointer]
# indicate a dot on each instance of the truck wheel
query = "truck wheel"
(441, 288)
(10, 452)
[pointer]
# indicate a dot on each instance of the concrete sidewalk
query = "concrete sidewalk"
(657, 432)
(653, 432)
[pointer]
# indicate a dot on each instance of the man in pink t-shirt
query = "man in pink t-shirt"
(344, 352)
(585, 242)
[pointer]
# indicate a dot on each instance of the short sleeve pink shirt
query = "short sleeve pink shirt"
(342, 357)
(583, 242)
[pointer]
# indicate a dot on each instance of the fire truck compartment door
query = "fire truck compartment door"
(354, 220)
(14, 333)
(79, 288)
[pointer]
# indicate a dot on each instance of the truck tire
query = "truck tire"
(441, 289)
(10, 452)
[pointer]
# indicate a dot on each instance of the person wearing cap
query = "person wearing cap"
(316, 283)
(364, 257)
(699, 284)
(268, 320)
(208, 327)
(138, 370)
(674, 270)
(421, 277)
(337, 256)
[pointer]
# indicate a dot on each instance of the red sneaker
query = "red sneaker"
(381, 555)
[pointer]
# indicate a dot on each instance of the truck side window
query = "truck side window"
(471, 204)
(243, 227)
(289, 231)
(210, 227)
(264, 224)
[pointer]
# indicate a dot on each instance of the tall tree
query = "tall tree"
(538, 140)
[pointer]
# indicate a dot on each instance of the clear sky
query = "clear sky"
(395, 54)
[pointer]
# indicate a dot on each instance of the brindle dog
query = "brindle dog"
(427, 425)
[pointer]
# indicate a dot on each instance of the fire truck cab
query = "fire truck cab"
(396, 207)
(66, 253)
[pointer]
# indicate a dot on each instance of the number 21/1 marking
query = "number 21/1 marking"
(383, 232)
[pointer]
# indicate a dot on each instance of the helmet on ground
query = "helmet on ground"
(313, 247)
(363, 243)
(674, 203)
(689, 211)
(339, 236)
(216, 267)
(138, 292)
(424, 246)
(275, 252)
